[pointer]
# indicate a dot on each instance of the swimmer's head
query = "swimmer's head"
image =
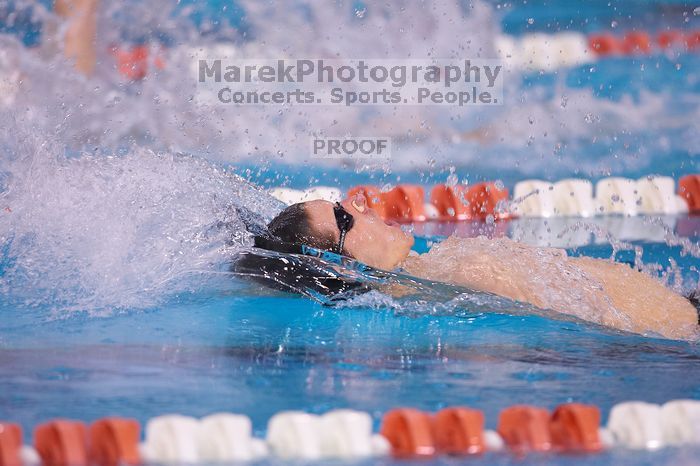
(369, 240)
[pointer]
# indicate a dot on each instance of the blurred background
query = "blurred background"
(631, 112)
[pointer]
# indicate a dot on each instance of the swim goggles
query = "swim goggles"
(273, 244)
(345, 221)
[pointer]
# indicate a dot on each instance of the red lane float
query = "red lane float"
(670, 38)
(525, 428)
(61, 443)
(404, 203)
(409, 432)
(484, 199)
(640, 42)
(636, 42)
(461, 202)
(574, 427)
(133, 62)
(692, 40)
(604, 44)
(450, 202)
(114, 441)
(459, 431)
(10, 444)
(689, 189)
(452, 431)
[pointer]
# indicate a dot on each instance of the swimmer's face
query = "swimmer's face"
(371, 240)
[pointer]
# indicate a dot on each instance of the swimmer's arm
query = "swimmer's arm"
(80, 37)
(476, 268)
(650, 306)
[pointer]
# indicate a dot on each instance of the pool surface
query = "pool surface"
(227, 348)
(119, 198)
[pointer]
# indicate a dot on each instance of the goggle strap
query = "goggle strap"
(341, 242)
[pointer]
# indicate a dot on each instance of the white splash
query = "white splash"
(103, 232)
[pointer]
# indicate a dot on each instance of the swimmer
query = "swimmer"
(596, 290)
(79, 44)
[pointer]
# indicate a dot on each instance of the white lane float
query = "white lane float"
(533, 198)
(680, 420)
(294, 196)
(637, 425)
(572, 49)
(325, 193)
(29, 456)
(343, 434)
(348, 434)
(658, 196)
(287, 195)
(507, 51)
(617, 195)
(431, 212)
(171, 439)
(493, 441)
(228, 437)
(573, 198)
(294, 435)
(547, 52)
(538, 52)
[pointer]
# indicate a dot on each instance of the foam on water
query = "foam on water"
(103, 232)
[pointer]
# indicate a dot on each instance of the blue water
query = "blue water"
(230, 349)
(71, 347)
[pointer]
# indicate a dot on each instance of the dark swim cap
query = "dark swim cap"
(297, 268)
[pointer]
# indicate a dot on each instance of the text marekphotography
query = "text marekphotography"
(280, 82)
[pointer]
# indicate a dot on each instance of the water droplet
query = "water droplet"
(452, 180)
(531, 21)
(696, 11)
(564, 101)
(613, 24)
(531, 120)
(360, 13)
